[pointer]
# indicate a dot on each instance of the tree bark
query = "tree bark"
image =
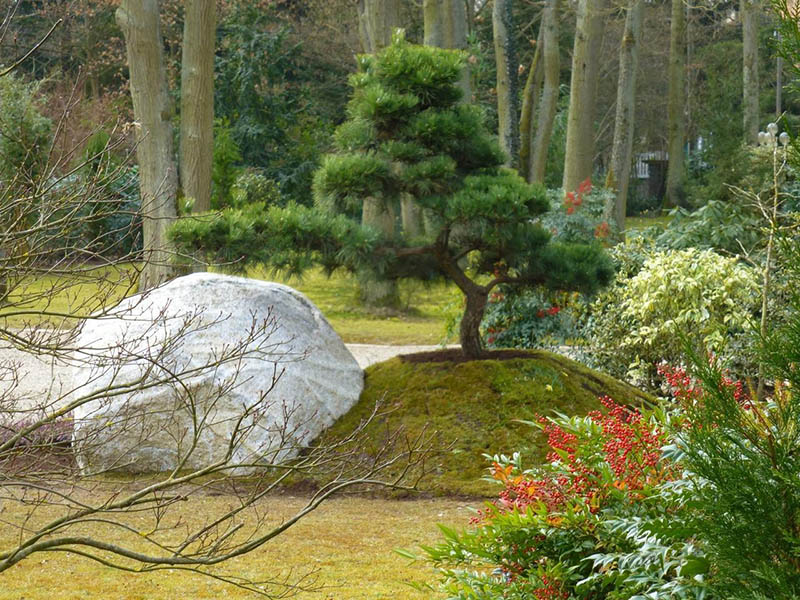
(675, 105)
(377, 20)
(749, 11)
(197, 102)
(445, 23)
(622, 145)
(379, 215)
(530, 102)
(549, 102)
(152, 109)
(579, 161)
(505, 57)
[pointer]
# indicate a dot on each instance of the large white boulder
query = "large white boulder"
(207, 369)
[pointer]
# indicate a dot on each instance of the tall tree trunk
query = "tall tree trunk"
(675, 105)
(445, 23)
(549, 102)
(152, 109)
(505, 56)
(624, 120)
(377, 20)
(530, 101)
(378, 293)
(197, 102)
(749, 11)
(578, 163)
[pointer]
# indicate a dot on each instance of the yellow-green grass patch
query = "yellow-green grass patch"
(421, 319)
(350, 541)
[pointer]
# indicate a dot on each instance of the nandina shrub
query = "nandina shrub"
(605, 518)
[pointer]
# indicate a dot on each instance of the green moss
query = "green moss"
(475, 408)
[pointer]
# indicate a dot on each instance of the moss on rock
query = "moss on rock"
(475, 408)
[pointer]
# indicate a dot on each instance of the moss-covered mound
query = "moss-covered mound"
(475, 406)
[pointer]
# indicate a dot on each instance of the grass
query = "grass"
(421, 320)
(477, 406)
(349, 540)
(638, 223)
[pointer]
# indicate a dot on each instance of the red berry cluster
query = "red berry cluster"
(686, 390)
(551, 589)
(574, 199)
(632, 448)
(552, 311)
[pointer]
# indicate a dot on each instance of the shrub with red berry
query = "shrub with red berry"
(585, 525)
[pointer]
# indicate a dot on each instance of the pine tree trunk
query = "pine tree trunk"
(197, 102)
(445, 23)
(549, 103)
(749, 11)
(469, 330)
(530, 101)
(676, 102)
(152, 109)
(505, 56)
(579, 159)
(622, 145)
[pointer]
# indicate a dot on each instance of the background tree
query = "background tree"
(749, 12)
(620, 169)
(548, 105)
(446, 24)
(152, 107)
(507, 88)
(409, 134)
(197, 102)
(677, 101)
(579, 160)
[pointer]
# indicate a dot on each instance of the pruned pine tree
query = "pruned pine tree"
(409, 134)
(622, 146)
(153, 110)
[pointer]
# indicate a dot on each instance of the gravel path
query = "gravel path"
(42, 377)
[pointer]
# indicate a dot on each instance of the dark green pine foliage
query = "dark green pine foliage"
(410, 141)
